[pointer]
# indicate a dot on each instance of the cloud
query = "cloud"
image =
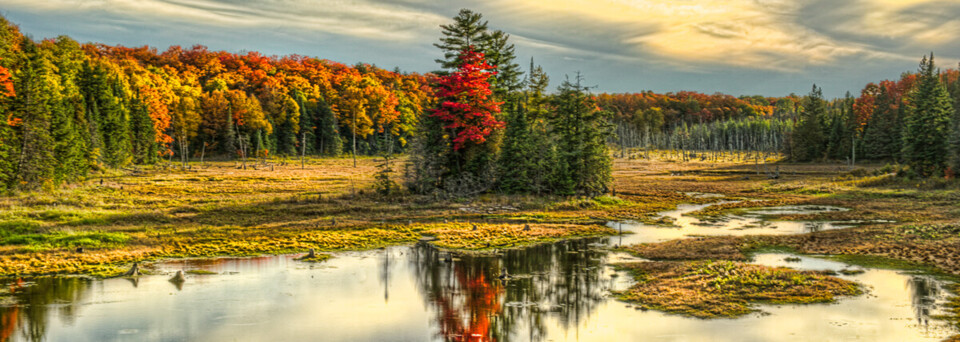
(360, 18)
(754, 34)
(738, 45)
(915, 22)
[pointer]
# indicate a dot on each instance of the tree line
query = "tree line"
(72, 108)
(481, 123)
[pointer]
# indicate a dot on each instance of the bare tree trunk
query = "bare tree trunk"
(354, 140)
(303, 149)
(853, 151)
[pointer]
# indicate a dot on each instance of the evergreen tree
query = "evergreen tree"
(528, 156)
(328, 132)
(36, 86)
(103, 92)
(954, 158)
(68, 122)
(501, 55)
(467, 31)
(10, 60)
(927, 124)
(807, 139)
(518, 156)
(143, 137)
(584, 162)
(305, 138)
(881, 137)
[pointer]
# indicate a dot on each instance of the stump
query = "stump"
(134, 271)
(179, 277)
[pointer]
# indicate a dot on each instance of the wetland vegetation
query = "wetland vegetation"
(507, 211)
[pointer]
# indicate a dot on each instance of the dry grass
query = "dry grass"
(710, 289)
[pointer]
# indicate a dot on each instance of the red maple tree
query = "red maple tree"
(6, 85)
(465, 103)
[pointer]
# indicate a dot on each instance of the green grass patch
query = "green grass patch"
(200, 272)
(62, 239)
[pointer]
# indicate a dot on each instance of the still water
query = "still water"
(556, 292)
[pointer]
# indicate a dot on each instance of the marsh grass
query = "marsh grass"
(715, 289)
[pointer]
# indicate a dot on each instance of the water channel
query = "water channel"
(558, 292)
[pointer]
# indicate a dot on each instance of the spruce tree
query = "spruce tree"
(36, 85)
(807, 139)
(518, 156)
(68, 123)
(954, 158)
(584, 163)
(143, 137)
(881, 137)
(328, 131)
(927, 123)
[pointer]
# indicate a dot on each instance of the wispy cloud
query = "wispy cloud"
(638, 43)
(756, 34)
(359, 18)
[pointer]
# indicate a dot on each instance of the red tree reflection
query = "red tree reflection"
(467, 304)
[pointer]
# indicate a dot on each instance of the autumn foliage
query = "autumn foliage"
(466, 106)
(6, 85)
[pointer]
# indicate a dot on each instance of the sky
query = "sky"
(738, 47)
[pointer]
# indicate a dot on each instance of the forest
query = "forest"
(74, 109)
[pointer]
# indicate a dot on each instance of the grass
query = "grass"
(67, 240)
(714, 289)
(200, 272)
(218, 209)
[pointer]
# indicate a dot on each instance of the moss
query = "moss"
(63, 239)
(714, 289)
(320, 257)
(200, 272)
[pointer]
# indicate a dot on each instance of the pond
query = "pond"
(553, 292)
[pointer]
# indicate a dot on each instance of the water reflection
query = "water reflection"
(509, 296)
(38, 301)
(557, 292)
(925, 291)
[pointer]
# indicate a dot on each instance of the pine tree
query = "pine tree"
(467, 31)
(807, 139)
(585, 166)
(68, 122)
(36, 85)
(528, 155)
(501, 54)
(927, 123)
(954, 158)
(143, 137)
(328, 132)
(518, 157)
(881, 137)
(307, 126)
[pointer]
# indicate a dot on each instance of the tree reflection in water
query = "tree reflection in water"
(561, 281)
(36, 303)
(925, 292)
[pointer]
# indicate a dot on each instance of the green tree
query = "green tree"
(518, 156)
(584, 162)
(881, 137)
(927, 123)
(36, 85)
(807, 139)
(468, 30)
(68, 122)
